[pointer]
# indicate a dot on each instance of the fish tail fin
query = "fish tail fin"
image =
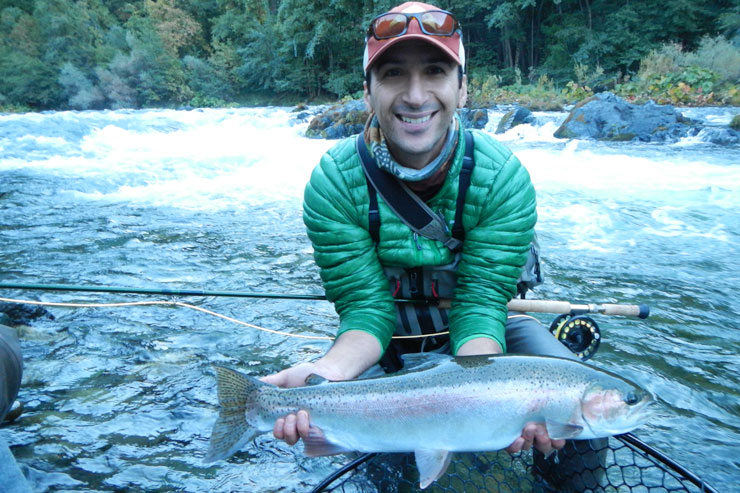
(237, 396)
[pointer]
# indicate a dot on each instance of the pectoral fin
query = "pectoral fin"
(431, 464)
(317, 445)
(559, 431)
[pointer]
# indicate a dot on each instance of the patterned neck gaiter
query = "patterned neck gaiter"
(376, 140)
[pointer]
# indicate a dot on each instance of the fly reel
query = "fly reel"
(578, 333)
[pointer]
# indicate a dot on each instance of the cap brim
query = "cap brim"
(409, 37)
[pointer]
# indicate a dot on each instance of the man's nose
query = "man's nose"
(416, 92)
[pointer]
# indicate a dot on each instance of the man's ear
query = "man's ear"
(366, 96)
(463, 92)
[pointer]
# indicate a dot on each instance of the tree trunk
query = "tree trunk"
(508, 59)
(531, 40)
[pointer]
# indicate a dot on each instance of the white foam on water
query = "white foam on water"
(531, 133)
(630, 177)
(221, 158)
(603, 199)
(206, 160)
(713, 115)
(668, 224)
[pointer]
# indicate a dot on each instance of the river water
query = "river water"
(123, 398)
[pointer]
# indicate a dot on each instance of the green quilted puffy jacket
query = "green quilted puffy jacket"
(499, 218)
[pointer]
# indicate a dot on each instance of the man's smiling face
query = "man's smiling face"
(414, 91)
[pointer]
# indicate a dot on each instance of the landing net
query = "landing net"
(614, 465)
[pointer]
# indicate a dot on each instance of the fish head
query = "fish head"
(615, 408)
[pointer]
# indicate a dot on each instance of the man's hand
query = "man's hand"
(296, 376)
(293, 427)
(535, 434)
(352, 353)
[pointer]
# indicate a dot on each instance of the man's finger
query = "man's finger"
(529, 432)
(516, 446)
(527, 445)
(542, 440)
(303, 424)
(273, 379)
(290, 431)
(277, 429)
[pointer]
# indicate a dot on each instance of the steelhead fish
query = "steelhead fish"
(436, 405)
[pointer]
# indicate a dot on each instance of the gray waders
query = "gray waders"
(11, 371)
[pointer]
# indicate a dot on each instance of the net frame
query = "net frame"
(619, 464)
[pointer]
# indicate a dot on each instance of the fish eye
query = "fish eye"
(631, 398)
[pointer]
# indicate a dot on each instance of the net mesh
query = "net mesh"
(603, 465)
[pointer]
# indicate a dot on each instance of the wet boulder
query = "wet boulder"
(339, 121)
(606, 116)
(735, 123)
(21, 313)
(720, 136)
(302, 113)
(512, 118)
(474, 117)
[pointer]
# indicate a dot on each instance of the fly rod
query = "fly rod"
(536, 306)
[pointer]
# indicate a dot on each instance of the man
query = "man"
(414, 66)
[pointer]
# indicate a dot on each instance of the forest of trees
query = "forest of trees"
(93, 54)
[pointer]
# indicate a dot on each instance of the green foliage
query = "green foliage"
(206, 80)
(718, 55)
(81, 93)
(27, 81)
(709, 75)
(685, 86)
(85, 54)
(575, 92)
(483, 89)
(204, 101)
(148, 74)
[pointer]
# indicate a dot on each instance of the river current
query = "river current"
(123, 397)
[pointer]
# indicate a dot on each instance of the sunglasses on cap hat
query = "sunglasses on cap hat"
(395, 24)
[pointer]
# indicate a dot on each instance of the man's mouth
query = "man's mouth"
(417, 120)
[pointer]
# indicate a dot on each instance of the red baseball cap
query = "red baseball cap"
(452, 45)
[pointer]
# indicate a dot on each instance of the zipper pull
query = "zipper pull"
(416, 240)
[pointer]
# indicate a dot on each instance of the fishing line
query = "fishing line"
(169, 303)
(192, 307)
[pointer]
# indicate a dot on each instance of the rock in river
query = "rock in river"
(606, 116)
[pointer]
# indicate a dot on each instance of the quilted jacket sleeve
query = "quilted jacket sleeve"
(495, 249)
(335, 215)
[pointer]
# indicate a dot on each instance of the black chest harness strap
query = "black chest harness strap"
(431, 283)
(408, 206)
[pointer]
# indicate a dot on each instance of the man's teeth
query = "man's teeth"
(416, 120)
